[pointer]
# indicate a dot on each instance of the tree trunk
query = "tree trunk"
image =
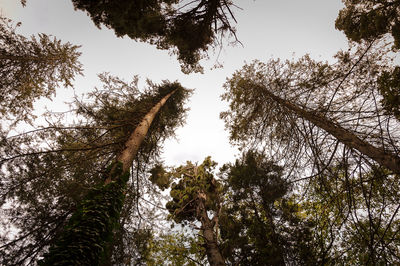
(135, 140)
(85, 238)
(386, 159)
(213, 254)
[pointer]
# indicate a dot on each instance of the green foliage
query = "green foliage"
(91, 227)
(303, 108)
(253, 114)
(67, 159)
(389, 87)
(260, 223)
(189, 29)
(176, 249)
(195, 196)
(192, 180)
(354, 217)
(369, 20)
(373, 243)
(271, 106)
(32, 68)
(160, 177)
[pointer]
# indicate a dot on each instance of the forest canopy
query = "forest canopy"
(315, 179)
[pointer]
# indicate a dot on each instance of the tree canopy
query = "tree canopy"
(32, 68)
(189, 29)
(309, 116)
(195, 194)
(76, 159)
(316, 183)
(369, 20)
(261, 221)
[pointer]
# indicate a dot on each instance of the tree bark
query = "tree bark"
(136, 138)
(389, 160)
(213, 253)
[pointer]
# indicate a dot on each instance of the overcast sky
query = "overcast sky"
(266, 28)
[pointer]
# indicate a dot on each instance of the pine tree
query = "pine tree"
(327, 126)
(188, 29)
(262, 221)
(73, 170)
(313, 104)
(32, 68)
(369, 20)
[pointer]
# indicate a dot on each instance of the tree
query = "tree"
(369, 20)
(261, 223)
(196, 194)
(91, 226)
(327, 125)
(32, 68)
(73, 169)
(188, 28)
(288, 101)
(355, 218)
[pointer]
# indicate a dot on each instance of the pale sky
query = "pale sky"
(266, 28)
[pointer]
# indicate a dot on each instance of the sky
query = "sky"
(266, 28)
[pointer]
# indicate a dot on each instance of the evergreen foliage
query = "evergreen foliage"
(261, 222)
(332, 200)
(369, 20)
(75, 161)
(189, 29)
(293, 111)
(297, 108)
(32, 68)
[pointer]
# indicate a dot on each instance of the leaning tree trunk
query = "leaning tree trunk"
(211, 245)
(389, 160)
(85, 239)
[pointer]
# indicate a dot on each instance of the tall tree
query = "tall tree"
(32, 68)
(188, 28)
(195, 194)
(89, 229)
(261, 223)
(326, 123)
(75, 163)
(287, 101)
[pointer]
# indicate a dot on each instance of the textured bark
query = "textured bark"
(136, 138)
(213, 253)
(386, 159)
